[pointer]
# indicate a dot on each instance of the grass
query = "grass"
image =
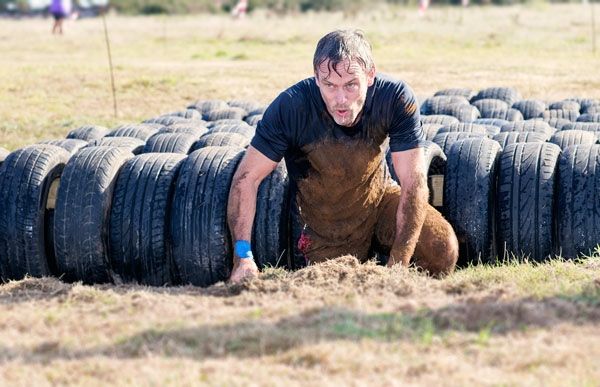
(518, 323)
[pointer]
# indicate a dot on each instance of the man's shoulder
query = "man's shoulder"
(299, 94)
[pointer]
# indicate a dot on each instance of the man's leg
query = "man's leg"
(437, 248)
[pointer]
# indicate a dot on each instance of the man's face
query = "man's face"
(345, 90)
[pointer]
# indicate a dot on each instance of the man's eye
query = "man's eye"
(351, 86)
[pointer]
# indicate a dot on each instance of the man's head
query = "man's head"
(344, 69)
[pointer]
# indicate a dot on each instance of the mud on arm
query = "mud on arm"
(410, 168)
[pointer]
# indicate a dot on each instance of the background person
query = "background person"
(60, 10)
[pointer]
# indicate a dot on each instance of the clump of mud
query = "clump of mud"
(33, 289)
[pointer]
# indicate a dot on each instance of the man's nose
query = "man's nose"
(340, 97)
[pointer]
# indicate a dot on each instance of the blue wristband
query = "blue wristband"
(242, 250)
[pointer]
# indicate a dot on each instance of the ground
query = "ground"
(335, 323)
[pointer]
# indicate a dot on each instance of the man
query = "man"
(331, 130)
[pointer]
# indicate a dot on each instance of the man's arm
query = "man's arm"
(410, 168)
(241, 206)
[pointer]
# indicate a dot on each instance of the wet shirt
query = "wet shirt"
(298, 119)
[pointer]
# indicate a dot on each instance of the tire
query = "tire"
(254, 119)
(507, 138)
(88, 133)
(441, 119)
(488, 105)
(464, 113)
(245, 130)
(525, 198)
(589, 118)
(71, 145)
(170, 143)
(593, 109)
(134, 145)
(248, 106)
(445, 140)
(530, 108)
(557, 123)
(140, 131)
(195, 130)
(226, 122)
(259, 110)
(538, 126)
(225, 114)
(190, 114)
(585, 103)
(165, 120)
(567, 138)
(269, 232)
(469, 185)
(578, 203)
(201, 242)
(506, 94)
(205, 106)
(431, 130)
(441, 104)
(82, 211)
(486, 130)
(461, 92)
(565, 105)
(570, 115)
(586, 126)
(221, 139)
(491, 121)
(26, 178)
(138, 245)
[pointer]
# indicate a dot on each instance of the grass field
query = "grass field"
(339, 323)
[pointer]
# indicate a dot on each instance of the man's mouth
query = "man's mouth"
(342, 112)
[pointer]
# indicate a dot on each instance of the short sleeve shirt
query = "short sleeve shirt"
(298, 117)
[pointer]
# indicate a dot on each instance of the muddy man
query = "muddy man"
(331, 129)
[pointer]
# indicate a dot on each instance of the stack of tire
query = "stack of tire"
(520, 179)
(147, 203)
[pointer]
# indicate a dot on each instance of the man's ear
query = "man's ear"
(371, 76)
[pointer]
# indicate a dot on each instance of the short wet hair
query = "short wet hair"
(341, 45)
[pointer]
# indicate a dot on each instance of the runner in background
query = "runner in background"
(60, 10)
(240, 9)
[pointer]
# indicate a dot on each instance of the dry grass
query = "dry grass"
(331, 324)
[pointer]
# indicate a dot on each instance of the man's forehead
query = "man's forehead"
(344, 68)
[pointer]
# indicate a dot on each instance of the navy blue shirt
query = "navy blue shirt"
(298, 117)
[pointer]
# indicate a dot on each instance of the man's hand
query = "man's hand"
(243, 269)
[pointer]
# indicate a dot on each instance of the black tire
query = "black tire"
(225, 122)
(82, 212)
(445, 140)
(507, 138)
(165, 120)
(194, 130)
(565, 105)
(431, 130)
(594, 109)
(245, 130)
(525, 200)
(190, 114)
(140, 131)
(248, 106)
(464, 113)
(441, 119)
(530, 108)
(461, 92)
(469, 186)
(170, 143)
(225, 114)
(441, 104)
(557, 123)
(586, 103)
(88, 133)
(486, 130)
(269, 232)
(71, 145)
(578, 202)
(221, 139)
(26, 177)
(205, 106)
(506, 94)
(589, 117)
(139, 246)
(259, 110)
(254, 119)
(586, 126)
(201, 241)
(487, 105)
(491, 121)
(567, 138)
(570, 115)
(538, 126)
(134, 145)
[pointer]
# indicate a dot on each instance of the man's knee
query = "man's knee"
(437, 250)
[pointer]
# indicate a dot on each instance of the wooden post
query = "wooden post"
(110, 64)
